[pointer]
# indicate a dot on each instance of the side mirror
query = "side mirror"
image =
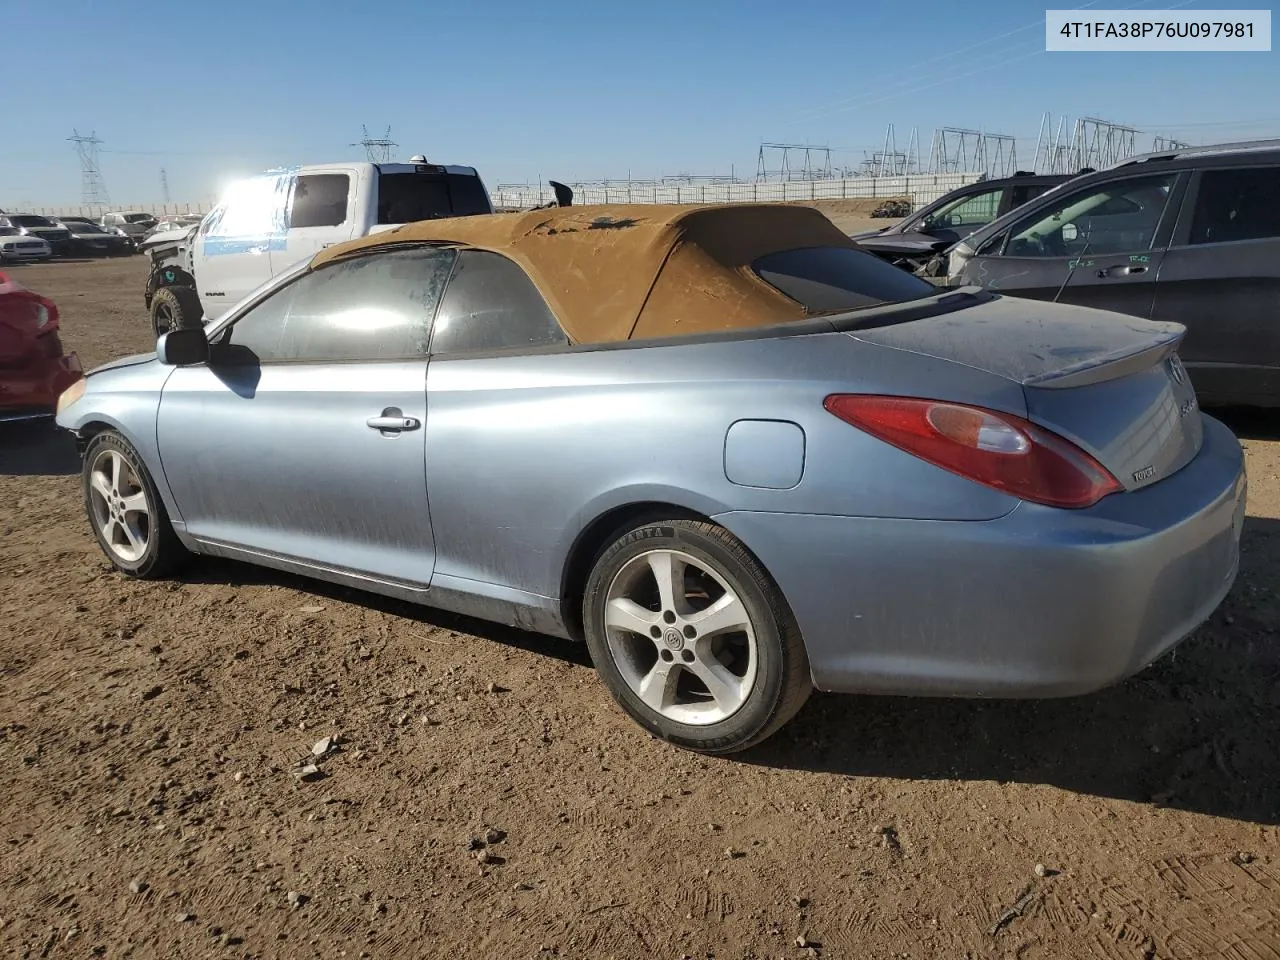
(183, 347)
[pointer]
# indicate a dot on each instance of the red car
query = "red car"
(33, 368)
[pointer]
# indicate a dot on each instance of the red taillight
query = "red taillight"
(997, 450)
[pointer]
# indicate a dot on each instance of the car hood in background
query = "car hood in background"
(168, 236)
(907, 243)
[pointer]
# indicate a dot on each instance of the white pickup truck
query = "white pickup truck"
(266, 223)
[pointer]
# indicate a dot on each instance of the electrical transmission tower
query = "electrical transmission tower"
(164, 185)
(892, 162)
(809, 170)
(1092, 143)
(957, 150)
(379, 149)
(93, 191)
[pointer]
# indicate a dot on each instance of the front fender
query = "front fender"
(133, 416)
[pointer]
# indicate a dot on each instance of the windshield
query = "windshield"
(30, 221)
(406, 197)
(832, 279)
(139, 218)
(78, 227)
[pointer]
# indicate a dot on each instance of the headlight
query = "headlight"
(42, 316)
(71, 395)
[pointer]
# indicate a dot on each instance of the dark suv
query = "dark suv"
(914, 240)
(1191, 236)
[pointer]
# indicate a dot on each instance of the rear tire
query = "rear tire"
(693, 638)
(175, 308)
(125, 511)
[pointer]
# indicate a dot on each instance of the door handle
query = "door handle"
(1120, 271)
(393, 420)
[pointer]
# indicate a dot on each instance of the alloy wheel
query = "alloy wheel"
(681, 638)
(119, 506)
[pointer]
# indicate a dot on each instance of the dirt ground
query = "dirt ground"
(148, 734)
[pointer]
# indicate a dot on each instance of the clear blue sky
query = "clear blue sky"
(568, 90)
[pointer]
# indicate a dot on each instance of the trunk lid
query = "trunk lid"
(1110, 383)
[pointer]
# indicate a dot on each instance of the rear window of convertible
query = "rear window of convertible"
(831, 279)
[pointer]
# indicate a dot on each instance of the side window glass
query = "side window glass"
(255, 337)
(251, 217)
(319, 200)
(1237, 205)
(370, 308)
(976, 210)
(1025, 193)
(208, 221)
(491, 304)
(1117, 217)
(992, 247)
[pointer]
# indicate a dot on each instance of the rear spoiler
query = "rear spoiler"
(1109, 366)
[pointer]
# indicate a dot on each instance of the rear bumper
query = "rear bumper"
(33, 390)
(1039, 603)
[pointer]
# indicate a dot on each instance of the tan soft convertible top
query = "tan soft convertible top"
(634, 271)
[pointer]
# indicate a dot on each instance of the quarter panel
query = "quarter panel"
(523, 453)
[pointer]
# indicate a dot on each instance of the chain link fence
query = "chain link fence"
(921, 190)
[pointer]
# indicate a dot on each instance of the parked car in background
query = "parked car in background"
(737, 455)
(266, 223)
(1190, 236)
(914, 241)
(91, 240)
(16, 247)
(167, 224)
(133, 224)
(33, 368)
(31, 225)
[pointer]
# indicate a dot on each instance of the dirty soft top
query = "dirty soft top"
(635, 271)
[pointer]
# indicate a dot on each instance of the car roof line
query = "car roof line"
(1209, 150)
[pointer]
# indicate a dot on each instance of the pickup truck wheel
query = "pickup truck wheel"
(693, 638)
(173, 308)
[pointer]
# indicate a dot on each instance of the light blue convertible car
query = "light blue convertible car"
(736, 455)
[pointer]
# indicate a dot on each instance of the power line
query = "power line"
(873, 98)
(822, 110)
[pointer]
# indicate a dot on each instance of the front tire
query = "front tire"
(126, 514)
(175, 308)
(693, 638)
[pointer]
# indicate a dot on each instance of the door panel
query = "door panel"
(282, 458)
(1125, 284)
(1221, 280)
(1228, 297)
(1099, 246)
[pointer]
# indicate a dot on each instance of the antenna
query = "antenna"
(93, 192)
(378, 149)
